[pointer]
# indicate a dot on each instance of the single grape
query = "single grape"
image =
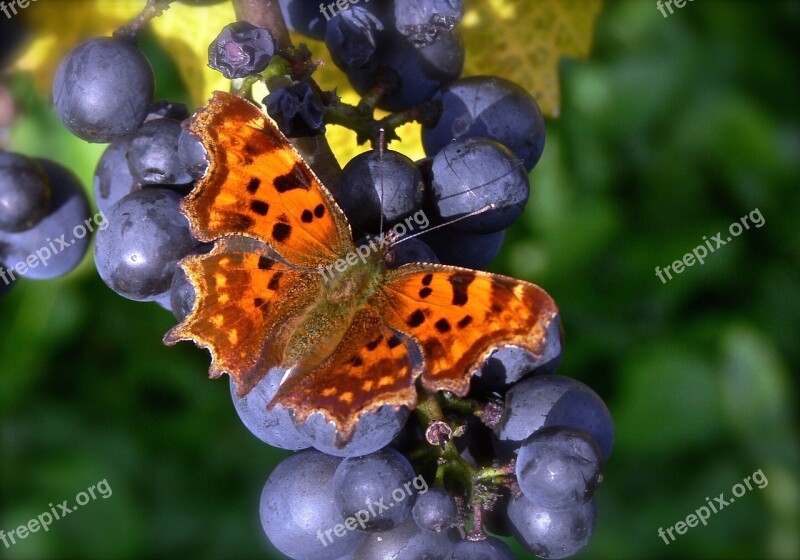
(422, 20)
(476, 174)
(163, 109)
(112, 176)
(409, 73)
(488, 107)
(554, 400)
(58, 243)
(192, 155)
(458, 248)
(153, 154)
(375, 184)
(24, 192)
(552, 533)
(137, 255)
(297, 109)
(181, 295)
(298, 510)
(435, 510)
(408, 542)
(352, 38)
(509, 364)
(377, 489)
(274, 427)
(559, 467)
(410, 251)
(491, 548)
(305, 17)
(373, 431)
(241, 49)
(103, 89)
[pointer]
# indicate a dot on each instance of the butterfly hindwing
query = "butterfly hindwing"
(257, 185)
(458, 316)
(243, 312)
(371, 368)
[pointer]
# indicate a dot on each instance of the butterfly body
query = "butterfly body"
(353, 335)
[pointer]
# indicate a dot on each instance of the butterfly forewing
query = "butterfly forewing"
(258, 185)
(458, 316)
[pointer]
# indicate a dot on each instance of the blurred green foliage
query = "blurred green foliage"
(674, 129)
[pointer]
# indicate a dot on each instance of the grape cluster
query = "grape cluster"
(523, 452)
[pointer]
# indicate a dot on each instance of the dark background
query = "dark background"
(673, 130)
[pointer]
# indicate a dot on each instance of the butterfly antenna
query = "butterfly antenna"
(434, 228)
(381, 150)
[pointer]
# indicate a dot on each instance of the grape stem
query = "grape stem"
(152, 9)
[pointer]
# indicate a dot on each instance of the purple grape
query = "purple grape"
(297, 109)
(435, 510)
(554, 400)
(378, 489)
(559, 467)
(373, 431)
(274, 427)
(137, 255)
(112, 176)
(192, 154)
(423, 20)
(469, 250)
(305, 17)
(552, 533)
(163, 109)
(375, 184)
(298, 510)
(488, 107)
(410, 251)
(490, 548)
(153, 154)
(408, 542)
(470, 175)
(24, 192)
(103, 89)
(58, 243)
(241, 49)
(352, 38)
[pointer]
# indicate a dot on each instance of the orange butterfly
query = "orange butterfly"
(351, 344)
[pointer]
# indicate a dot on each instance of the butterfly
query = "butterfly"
(352, 342)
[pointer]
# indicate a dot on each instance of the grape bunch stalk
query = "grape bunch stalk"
(523, 453)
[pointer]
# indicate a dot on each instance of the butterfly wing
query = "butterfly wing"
(243, 313)
(458, 316)
(370, 368)
(258, 185)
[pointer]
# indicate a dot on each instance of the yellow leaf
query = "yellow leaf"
(523, 41)
(185, 32)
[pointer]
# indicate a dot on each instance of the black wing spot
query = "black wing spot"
(295, 179)
(416, 318)
(466, 321)
(427, 279)
(307, 216)
(374, 344)
(264, 263)
(442, 325)
(357, 361)
(394, 342)
(252, 186)
(319, 211)
(258, 302)
(496, 308)
(460, 283)
(259, 207)
(425, 292)
(275, 281)
(281, 231)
